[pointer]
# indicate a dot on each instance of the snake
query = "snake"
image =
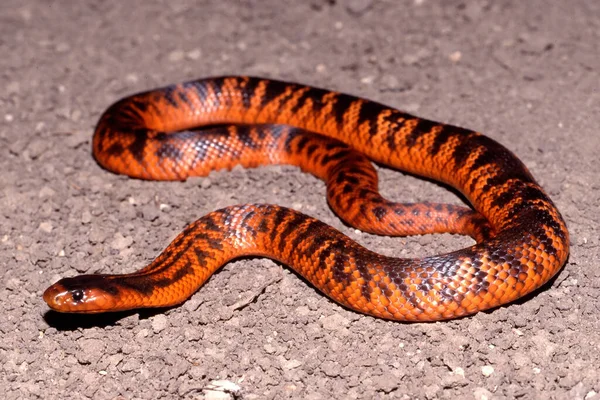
(190, 129)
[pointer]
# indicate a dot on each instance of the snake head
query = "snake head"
(82, 294)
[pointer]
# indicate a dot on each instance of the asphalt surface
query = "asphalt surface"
(525, 73)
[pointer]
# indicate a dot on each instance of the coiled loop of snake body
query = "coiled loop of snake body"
(522, 240)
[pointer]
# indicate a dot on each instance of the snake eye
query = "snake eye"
(77, 295)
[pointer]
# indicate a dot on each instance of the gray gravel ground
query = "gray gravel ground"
(524, 72)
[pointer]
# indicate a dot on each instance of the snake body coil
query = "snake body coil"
(522, 240)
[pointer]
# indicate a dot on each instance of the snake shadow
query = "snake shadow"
(72, 322)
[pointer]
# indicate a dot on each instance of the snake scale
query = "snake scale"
(192, 128)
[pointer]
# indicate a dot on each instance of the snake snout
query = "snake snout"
(55, 296)
(82, 294)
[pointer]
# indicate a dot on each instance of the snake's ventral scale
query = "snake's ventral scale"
(522, 240)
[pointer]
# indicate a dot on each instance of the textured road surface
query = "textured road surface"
(524, 72)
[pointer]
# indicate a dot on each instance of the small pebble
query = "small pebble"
(334, 322)
(221, 390)
(46, 227)
(482, 394)
(455, 56)
(194, 54)
(359, 7)
(291, 364)
(205, 183)
(121, 242)
(159, 323)
(46, 192)
(176, 55)
(86, 217)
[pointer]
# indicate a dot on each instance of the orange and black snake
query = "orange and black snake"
(522, 240)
